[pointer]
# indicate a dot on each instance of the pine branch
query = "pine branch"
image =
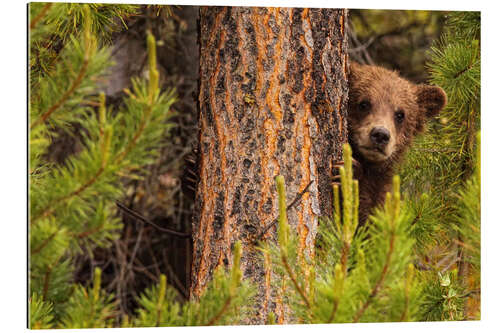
(294, 280)
(408, 282)
(161, 297)
(152, 92)
(379, 283)
(44, 243)
(40, 15)
(66, 95)
(292, 204)
(334, 310)
(46, 279)
(338, 285)
(469, 67)
(50, 208)
(221, 312)
(87, 39)
(138, 133)
(344, 256)
(87, 233)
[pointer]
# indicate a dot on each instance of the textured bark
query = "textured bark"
(272, 100)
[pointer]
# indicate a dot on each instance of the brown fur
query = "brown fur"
(377, 96)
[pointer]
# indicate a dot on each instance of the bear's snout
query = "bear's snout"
(380, 136)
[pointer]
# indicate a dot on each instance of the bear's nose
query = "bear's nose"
(380, 136)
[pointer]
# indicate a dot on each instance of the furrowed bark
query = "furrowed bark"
(272, 100)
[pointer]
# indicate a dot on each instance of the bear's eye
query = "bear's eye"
(365, 105)
(400, 116)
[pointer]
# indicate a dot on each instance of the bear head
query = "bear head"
(385, 112)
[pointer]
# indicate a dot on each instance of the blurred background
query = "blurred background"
(395, 39)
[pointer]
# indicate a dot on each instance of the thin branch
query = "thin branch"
(405, 311)
(362, 47)
(175, 279)
(137, 134)
(66, 95)
(466, 69)
(404, 315)
(379, 283)
(294, 202)
(294, 281)
(345, 256)
(87, 233)
(144, 270)
(46, 279)
(220, 313)
(355, 41)
(334, 310)
(40, 15)
(143, 219)
(48, 210)
(470, 292)
(44, 243)
(136, 246)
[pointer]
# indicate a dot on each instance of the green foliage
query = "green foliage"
(443, 299)
(225, 301)
(439, 172)
(465, 25)
(72, 205)
(89, 307)
(158, 306)
(49, 21)
(359, 274)
(52, 25)
(40, 313)
(292, 273)
(469, 214)
(424, 227)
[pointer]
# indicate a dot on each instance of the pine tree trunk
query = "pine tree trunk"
(272, 100)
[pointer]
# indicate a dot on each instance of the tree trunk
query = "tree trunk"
(272, 100)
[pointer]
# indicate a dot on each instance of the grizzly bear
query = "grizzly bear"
(385, 112)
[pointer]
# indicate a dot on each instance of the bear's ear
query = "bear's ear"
(354, 68)
(354, 64)
(431, 99)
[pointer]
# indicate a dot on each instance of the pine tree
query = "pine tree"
(72, 205)
(439, 172)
